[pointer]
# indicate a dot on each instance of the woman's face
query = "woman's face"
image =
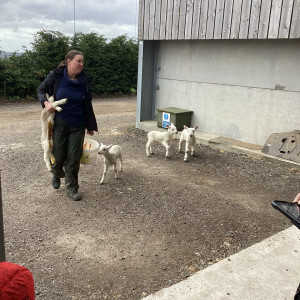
(75, 66)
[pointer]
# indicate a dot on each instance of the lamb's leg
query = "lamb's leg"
(104, 173)
(192, 149)
(47, 161)
(116, 171)
(47, 157)
(121, 164)
(186, 154)
(148, 148)
(44, 139)
(56, 104)
(181, 141)
(52, 159)
(44, 117)
(167, 149)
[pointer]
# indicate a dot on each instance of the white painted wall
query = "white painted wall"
(232, 85)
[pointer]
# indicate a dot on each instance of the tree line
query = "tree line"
(113, 64)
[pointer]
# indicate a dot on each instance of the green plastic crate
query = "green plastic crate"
(177, 116)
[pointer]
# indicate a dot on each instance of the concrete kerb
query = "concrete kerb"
(229, 145)
(265, 271)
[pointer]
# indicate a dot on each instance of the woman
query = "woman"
(69, 81)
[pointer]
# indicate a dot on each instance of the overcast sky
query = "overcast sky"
(20, 20)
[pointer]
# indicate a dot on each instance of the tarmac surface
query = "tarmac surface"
(267, 270)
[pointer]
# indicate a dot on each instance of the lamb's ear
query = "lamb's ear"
(109, 146)
(196, 127)
(185, 127)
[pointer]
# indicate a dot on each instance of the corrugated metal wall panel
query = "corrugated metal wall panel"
(218, 19)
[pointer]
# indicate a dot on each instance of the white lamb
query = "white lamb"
(188, 136)
(111, 154)
(160, 137)
(47, 130)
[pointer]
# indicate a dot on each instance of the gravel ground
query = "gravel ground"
(161, 222)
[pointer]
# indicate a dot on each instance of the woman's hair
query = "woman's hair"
(70, 55)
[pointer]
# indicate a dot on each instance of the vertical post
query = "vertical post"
(139, 85)
(146, 86)
(74, 18)
(2, 246)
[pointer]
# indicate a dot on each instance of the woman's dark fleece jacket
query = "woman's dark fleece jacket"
(50, 86)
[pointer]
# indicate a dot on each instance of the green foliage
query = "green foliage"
(18, 76)
(94, 48)
(123, 59)
(112, 64)
(50, 48)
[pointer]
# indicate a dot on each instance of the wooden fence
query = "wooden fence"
(218, 19)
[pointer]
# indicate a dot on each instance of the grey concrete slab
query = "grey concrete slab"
(267, 270)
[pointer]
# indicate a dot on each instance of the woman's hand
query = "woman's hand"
(49, 107)
(297, 198)
(90, 132)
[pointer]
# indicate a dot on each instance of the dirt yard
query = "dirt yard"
(161, 222)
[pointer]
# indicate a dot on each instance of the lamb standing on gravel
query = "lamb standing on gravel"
(160, 137)
(188, 136)
(111, 154)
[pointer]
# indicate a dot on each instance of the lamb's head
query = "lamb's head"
(103, 149)
(190, 130)
(172, 129)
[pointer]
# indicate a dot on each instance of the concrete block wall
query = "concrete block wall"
(244, 89)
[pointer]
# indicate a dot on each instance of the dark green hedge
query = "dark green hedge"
(113, 64)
